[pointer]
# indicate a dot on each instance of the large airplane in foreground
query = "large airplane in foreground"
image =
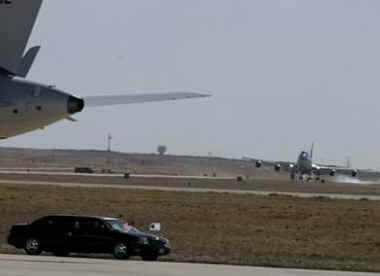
(27, 106)
(304, 168)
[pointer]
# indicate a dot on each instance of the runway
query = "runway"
(55, 173)
(16, 265)
(193, 190)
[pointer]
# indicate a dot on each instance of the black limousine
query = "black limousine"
(61, 234)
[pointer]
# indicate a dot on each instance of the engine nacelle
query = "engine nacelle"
(317, 171)
(332, 172)
(354, 173)
(277, 167)
(258, 163)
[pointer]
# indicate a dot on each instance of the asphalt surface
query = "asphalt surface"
(191, 190)
(112, 175)
(16, 265)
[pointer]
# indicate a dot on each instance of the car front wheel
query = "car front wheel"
(120, 251)
(33, 246)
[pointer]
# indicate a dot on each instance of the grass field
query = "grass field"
(221, 228)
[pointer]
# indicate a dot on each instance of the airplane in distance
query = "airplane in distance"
(304, 168)
(26, 106)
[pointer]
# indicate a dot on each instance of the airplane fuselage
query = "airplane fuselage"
(304, 163)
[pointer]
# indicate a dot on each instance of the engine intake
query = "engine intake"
(258, 163)
(74, 105)
(354, 173)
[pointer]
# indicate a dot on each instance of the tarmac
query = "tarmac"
(55, 173)
(193, 190)
(16, 265)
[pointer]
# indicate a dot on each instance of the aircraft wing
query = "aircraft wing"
(139, 98)
(334, 170)
(17, 18)
(277, 165)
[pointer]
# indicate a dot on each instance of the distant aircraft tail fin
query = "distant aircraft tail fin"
(17, 19)
(312, 150)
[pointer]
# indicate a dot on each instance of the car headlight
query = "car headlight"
(143, 240)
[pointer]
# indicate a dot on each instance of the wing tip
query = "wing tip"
(199, 95)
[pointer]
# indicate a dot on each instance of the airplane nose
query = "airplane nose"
(74, 105)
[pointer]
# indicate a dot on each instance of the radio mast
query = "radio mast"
(109, 142)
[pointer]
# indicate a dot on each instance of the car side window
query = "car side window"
(49, 225)
(73, 225)
(76, 225)
(96, 226)
(102, 226)
(99, 226)
(88, 226)
(44, 222)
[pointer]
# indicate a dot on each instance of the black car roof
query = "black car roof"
(79, 216)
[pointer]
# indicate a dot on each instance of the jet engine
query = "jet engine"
(332, 172)
(277, 167)
(258, 163)
(317, 171)
(354, 173)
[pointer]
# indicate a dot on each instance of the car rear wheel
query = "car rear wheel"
(33, 246)
(120, 251)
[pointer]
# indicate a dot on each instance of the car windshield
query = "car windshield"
(122, 226)
(116, 225)
(134, 229)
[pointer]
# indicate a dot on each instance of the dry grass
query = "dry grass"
(222, 228)
(117, 161)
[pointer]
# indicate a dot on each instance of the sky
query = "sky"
(282, 74)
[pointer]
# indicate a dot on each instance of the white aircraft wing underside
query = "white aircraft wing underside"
(138, 98)
(324, 170)
(17, 18)
(284, 164)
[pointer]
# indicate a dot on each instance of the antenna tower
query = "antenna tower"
(109, 142)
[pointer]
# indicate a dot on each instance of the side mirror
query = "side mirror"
(155, 227)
